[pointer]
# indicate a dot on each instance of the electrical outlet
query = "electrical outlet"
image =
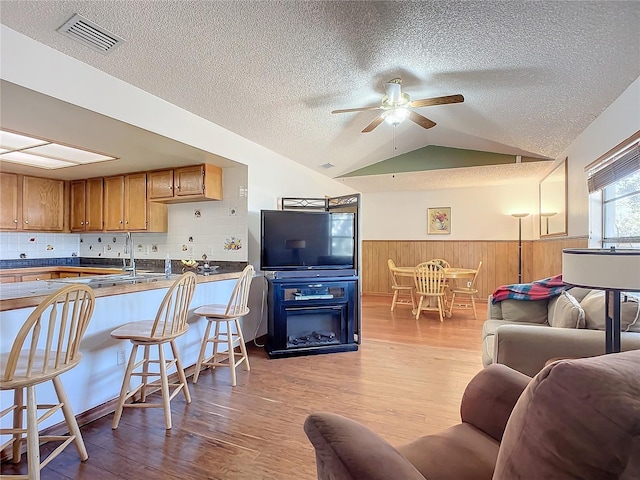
(122, 356)
(468, 284)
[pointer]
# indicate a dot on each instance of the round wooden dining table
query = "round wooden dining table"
(449, 273)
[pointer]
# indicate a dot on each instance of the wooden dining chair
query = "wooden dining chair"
(468, 295)
(169, 324)
(399, 289)
(229, 314)
(430, 285)
(46, 346)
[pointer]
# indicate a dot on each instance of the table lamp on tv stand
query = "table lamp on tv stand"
(295, 246)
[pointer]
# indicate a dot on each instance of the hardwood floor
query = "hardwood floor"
(406, 380)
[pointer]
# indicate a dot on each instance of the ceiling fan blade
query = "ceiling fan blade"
(427, 102)
(424, 122)
(362, 109)
(373, 124)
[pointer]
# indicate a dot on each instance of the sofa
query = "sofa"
(576, 419)
(526, 334)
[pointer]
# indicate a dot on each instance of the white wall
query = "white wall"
(478, 213)
(482, 213)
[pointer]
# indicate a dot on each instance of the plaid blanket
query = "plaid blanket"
(538, 290)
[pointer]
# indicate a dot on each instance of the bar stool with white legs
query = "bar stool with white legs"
(229, 314)
(46, 346)
(169, 324)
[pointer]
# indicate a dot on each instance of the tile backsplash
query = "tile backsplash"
(215, 230)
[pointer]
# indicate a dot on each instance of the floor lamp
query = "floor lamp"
(613, 270)
(519, 216)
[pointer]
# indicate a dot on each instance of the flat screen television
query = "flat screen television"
(296, 240)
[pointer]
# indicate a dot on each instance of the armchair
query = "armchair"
(575, 419)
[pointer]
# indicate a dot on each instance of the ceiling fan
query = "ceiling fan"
(397, 107)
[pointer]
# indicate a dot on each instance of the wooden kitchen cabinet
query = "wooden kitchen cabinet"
(126, 207)
(185, 184)
(36, 276)
(31, 203)
(9, 201)
(86, 212)
(43, 205)
(114, 203)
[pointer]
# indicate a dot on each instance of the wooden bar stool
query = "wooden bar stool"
(46, 346)
(229, 314)
(169, 324)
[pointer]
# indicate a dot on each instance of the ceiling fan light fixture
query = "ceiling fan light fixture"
(395, 116)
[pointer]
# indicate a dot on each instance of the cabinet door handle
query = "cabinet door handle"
(26, 221)
(170, 187)
(86, 223)
(120, 221)
(127, 222)
(81, 223)
(15, 221)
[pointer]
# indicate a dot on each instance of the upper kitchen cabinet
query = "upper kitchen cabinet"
(31, 203)
(186, 184)
(86, 212)
(126, 207)
(9, 201)
(42, 204)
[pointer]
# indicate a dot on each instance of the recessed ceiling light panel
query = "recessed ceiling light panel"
(35, 160)
(14, 141)
(41, 153)
(69, 153)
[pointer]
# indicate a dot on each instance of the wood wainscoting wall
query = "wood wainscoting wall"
(540, 259)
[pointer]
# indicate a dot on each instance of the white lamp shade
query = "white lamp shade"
(602, 269)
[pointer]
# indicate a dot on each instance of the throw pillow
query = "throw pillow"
(593, 306)
(579, 293)
(531, 311)
(566, 312)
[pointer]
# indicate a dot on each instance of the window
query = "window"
(614, 187)
(621, 213)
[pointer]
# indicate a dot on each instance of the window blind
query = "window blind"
(614, 168)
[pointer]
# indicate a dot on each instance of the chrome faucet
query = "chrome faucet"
(128, 248)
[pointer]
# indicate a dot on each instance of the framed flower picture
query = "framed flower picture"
(439, 221)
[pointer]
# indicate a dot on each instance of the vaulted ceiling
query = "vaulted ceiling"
(533, 74)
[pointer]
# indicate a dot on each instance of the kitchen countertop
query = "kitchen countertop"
(29, 294)
(63, 268)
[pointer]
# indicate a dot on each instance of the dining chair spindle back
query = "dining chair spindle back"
(468, 295)
(400, 289)
(430, 285)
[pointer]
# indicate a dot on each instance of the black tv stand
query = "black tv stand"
(312, 313)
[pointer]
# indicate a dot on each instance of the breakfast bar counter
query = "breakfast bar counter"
(94, 384)
(30, 294)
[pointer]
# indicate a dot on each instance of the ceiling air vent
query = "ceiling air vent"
(327, 166)
(90, 34)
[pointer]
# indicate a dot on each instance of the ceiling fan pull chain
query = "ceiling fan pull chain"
(393, 156)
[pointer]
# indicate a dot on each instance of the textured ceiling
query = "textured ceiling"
(534, 74)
